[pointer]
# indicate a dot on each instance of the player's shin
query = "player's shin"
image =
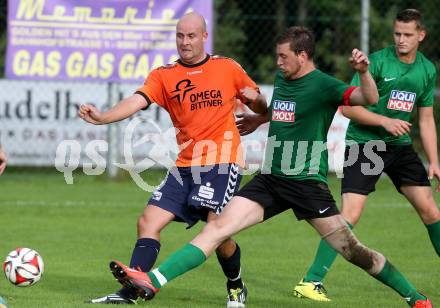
(374, 263)
(391, 277)
(434, 235)
(180, 262)
(231, 264)
(145, 254)
(325, 256)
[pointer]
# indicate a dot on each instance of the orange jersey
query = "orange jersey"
(201, 99)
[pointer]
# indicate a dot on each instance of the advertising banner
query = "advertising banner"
(105, 40)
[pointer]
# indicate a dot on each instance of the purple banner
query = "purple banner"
(101, 40)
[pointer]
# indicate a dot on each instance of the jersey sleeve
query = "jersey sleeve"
(242, 80)
(152, 90)
(427, 98)
(340, 92)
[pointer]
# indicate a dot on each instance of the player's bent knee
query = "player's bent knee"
(430, 214)
(148, 227)
(217, 230)
(351, 215)
(142, 221)
(344, 241)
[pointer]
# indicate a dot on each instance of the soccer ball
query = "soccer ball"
(23, 267)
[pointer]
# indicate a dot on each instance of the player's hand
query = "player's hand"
(3, 161)
(359, 61)
(249, 94)
(247, 123)
(434, 171)
(91, 114)
(396, 127)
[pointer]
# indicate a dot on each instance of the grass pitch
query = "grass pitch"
(79, 228)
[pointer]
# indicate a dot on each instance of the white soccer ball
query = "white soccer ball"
(23, 267)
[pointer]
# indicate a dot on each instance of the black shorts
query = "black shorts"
(400, 163)
(308, 199)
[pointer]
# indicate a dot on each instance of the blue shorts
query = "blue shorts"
(191, 192)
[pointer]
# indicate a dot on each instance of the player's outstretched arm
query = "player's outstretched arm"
(428, 135)
(366, 93)
(361, 115)
(3, 160)
(256, 101)
(124, 109)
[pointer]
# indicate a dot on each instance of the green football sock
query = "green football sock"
(180, 262)
(434, 235)
(325, 256)
(390, 276)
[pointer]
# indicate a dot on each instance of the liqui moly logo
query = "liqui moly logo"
(401, 100)
(283, 111)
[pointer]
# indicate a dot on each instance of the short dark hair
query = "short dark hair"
(299, 39)
(408, 15)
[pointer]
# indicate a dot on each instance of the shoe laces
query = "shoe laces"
(234, 294)
(319, 287)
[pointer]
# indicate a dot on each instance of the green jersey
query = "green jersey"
(400, 86)
(301, 112)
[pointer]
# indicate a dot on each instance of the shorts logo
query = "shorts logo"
(324, 210)
(401, 100)
(206, 191)
(157, 195)
(283, 111)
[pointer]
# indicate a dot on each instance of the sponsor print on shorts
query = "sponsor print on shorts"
(205, 196)
(283, 111)
(206, 191)
(401, 100)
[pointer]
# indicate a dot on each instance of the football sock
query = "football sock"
(390, 276)
(231, 269)
(325, 256)
(180, 262)
(145, 254)
(434, 235)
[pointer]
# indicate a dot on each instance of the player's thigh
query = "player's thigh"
(240, 214)
(154, 218)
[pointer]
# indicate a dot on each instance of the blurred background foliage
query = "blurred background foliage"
(247, 29)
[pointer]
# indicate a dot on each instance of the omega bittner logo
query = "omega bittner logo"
(182, 88)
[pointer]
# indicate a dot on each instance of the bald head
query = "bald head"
(191, 36)
(194, 19)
